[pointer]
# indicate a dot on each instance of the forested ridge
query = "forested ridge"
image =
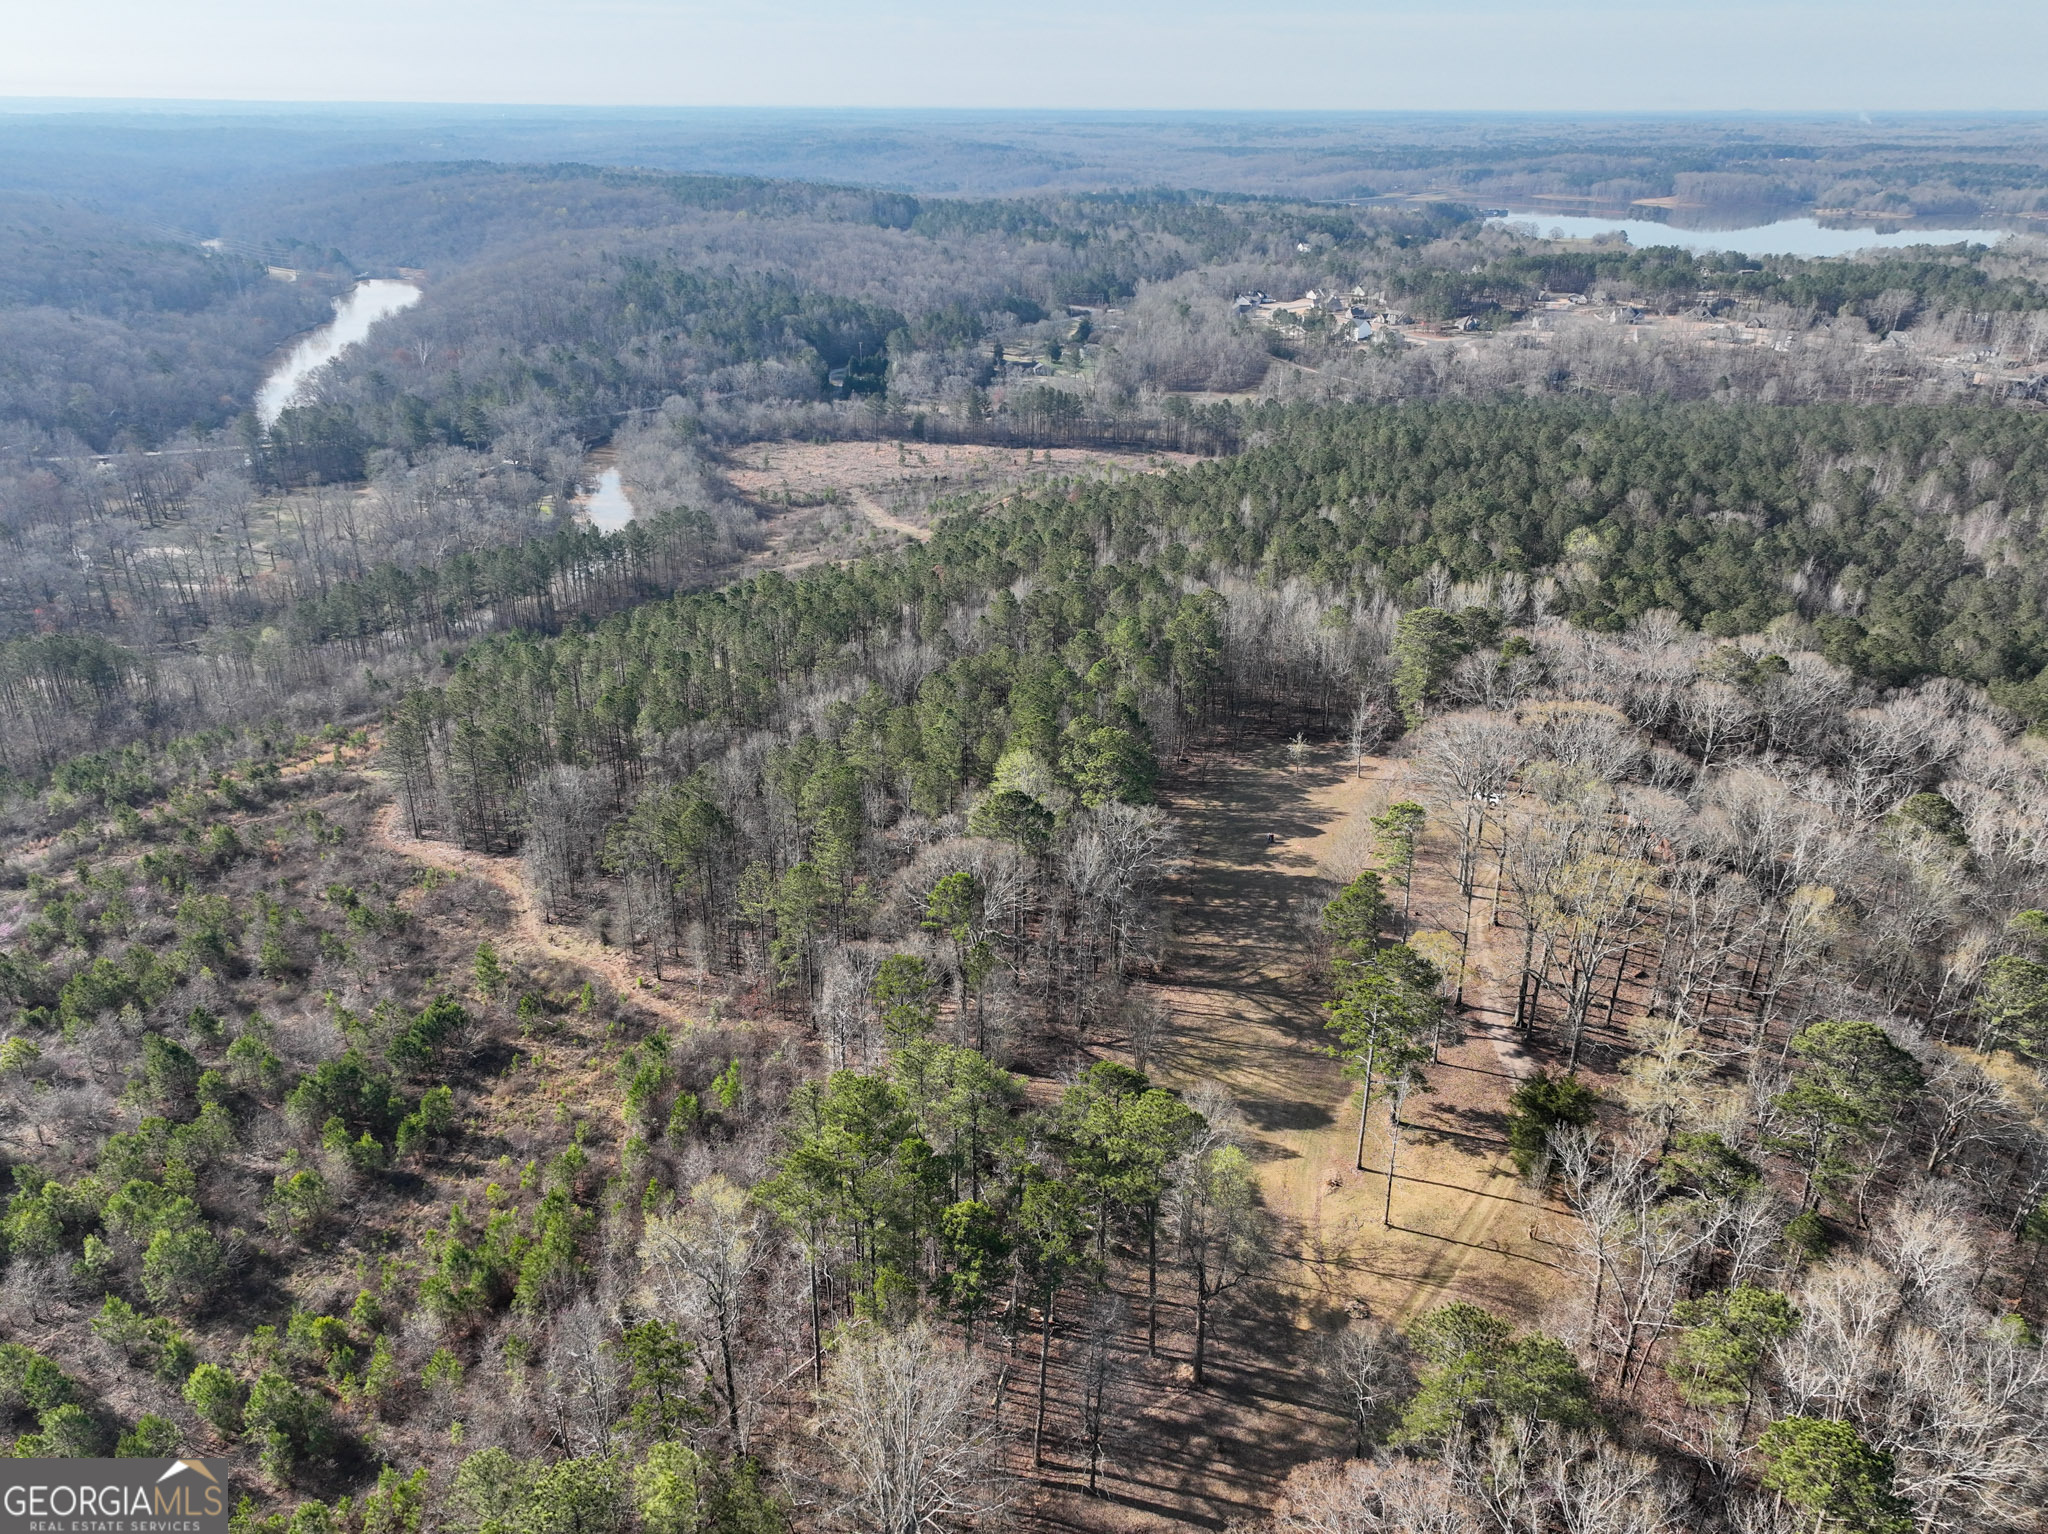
(679, 317)
(1938, 165)
(112, 331)
(1906, 537)
(898, 817)
(1894, 286)
(1475, 960)
(1725, 518)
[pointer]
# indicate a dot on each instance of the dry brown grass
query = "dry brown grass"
(1248, 1014)
(797, 472)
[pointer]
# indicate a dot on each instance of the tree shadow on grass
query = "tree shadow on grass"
(1274, 1114)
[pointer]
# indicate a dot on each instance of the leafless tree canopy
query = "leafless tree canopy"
(904, 1429)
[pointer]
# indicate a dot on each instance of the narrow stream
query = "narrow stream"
(365, 304)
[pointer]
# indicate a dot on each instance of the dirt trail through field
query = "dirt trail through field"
(531, 940)
(887, 520)
(1248, 1016)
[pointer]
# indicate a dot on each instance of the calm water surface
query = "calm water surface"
(607, 505)
(1786, 237)
(354, 314)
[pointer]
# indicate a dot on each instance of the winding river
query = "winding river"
(354, 314)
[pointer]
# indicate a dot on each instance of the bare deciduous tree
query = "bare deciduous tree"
(1367, 1366)
(1465, 762)
(1102, 1373)
(698, 1265)
(1113, 866)
(586, 1378)
(905, 1424)
(1598, 1487)
(565, 812)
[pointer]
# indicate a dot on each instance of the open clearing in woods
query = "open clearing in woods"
(893, 483)
(1248, 1014)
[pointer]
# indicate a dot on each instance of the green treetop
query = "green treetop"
(1728, 1333)
(1850, 1082)
(1827, 1469)
(1478, 1373)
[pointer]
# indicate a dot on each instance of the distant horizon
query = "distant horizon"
(133, 151)
(30, 104)
(1432, 56)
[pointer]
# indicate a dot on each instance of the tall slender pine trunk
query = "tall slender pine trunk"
(1152, 1278)
(1044, 1357)
(1393, 1156)
(1365, 1100)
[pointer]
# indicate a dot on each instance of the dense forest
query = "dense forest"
(1465, 952)
(111, 332)
(1900, 540)
(902, 814)
(185, 163)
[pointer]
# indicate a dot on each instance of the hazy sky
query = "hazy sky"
(1365, 54)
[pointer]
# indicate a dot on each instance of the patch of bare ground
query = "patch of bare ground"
(837, 500)
(1249, 1015)
(562, 955)
(1267, 843)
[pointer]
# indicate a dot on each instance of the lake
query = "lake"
(607, 505)
(1785, 237)
(354, 313)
